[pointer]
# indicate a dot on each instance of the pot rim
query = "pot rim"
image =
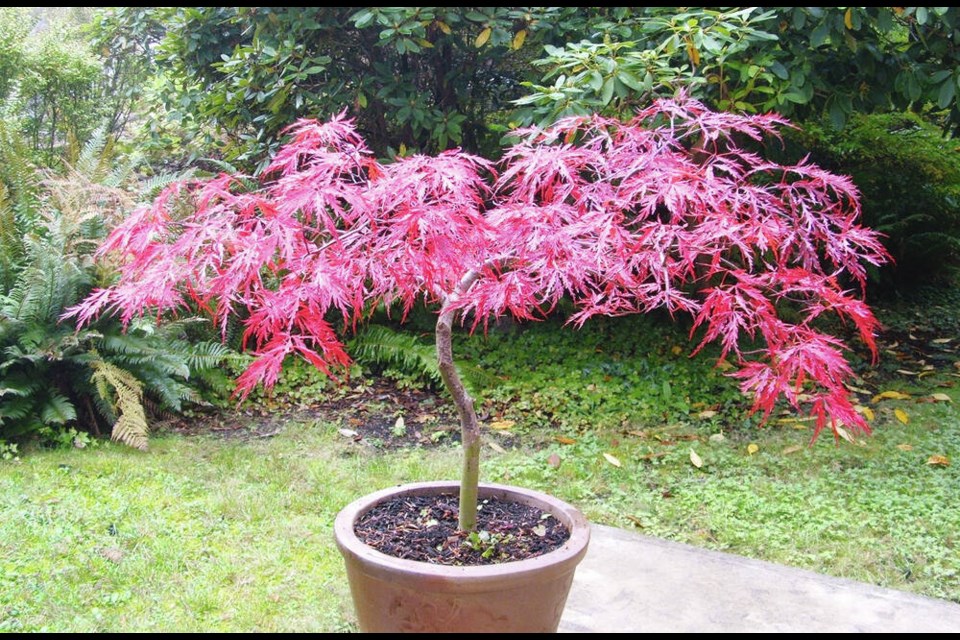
(562, 559)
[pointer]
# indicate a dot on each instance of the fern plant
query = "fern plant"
(378, 345)
(53, 377)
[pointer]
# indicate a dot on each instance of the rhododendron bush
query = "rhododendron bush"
(673, 210)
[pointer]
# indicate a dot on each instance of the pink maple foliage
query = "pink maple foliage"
(675, 209)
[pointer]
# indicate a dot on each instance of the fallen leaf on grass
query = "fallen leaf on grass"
(752, 449)
(843, 433)
(940, 397)
(901, 415)
(792, 449)
(908, 373)
(695, 460)
(500, 425)
(857, 389)
(348, 433)
(635, 520)
(611, 459)
(866, 412)
(905, 447)
(704, 415)
(938, 460)
(890, 395)
(496, 447)
(942, 340)
(717, 437)
(564, 440)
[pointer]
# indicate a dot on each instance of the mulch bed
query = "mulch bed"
(368, 417)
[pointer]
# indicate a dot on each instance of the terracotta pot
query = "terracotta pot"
(395, 595)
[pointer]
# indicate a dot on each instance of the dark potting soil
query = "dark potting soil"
(424, 528)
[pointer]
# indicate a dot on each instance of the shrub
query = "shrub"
(908, 174)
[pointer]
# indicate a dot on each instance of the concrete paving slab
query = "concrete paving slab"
(629, 582)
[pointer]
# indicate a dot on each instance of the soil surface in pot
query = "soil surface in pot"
(424, 528)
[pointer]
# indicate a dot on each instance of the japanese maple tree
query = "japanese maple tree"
(674, 209)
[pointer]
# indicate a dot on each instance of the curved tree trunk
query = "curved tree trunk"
(469, 425)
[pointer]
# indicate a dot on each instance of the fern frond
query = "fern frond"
(18, 174)
(123, 172)
(150, 187)
(380, 345)
(16, 409)
(130, 343)
(167, 390)
(18, 385)
(91, 160)
(201, 356)
(77, 199)
(137, 350)
(11, 247)
(48, 281)
(57, 410)
(103, 398)
(131, 427)
(25, 351)
(222, 165)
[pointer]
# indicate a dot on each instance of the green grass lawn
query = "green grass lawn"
(215, 533)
